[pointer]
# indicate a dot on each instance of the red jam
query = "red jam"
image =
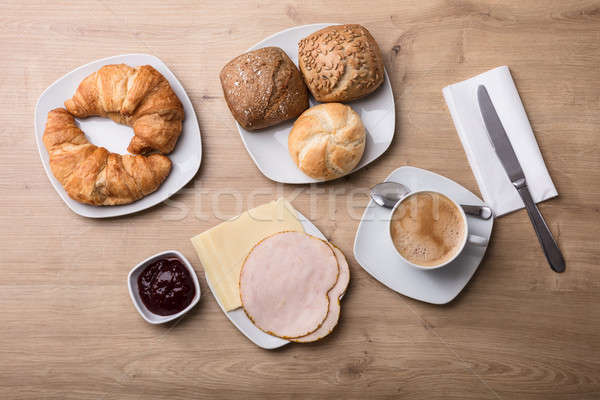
(166, 286)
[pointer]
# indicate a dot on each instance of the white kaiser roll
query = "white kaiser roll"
(327, 141)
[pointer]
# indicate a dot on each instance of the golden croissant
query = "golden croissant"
(92, 175)
(139, 97)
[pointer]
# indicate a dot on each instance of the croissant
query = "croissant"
(92, 175)
(139, 97)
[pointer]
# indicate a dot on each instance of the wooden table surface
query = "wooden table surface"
(518, 331)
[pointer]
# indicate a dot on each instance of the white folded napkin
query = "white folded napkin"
(494, 184)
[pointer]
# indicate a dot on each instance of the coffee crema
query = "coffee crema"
(427, 229)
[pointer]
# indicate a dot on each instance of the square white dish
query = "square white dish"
(268, 147)
(374, 251)
(132, 285)
(241, 321)
(186, 156)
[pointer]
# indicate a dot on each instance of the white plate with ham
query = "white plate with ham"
(239, 318)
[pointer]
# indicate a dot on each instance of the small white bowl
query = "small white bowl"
(132, 283)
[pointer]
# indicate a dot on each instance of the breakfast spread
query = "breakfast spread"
(327, 141)
(222, 249)
(263, 88)
(92, 175)
(166, 286)
(427, 228)
(340, 63)
(260, 265)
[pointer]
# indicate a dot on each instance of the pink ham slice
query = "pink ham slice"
(333, 314)
(285, 281)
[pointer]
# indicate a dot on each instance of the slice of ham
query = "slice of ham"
(285, 281)
(333, 314)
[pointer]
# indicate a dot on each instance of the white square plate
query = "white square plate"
(374, 251)
(241, 321)
(115, 138)
(269, 147)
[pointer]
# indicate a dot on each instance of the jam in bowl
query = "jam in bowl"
(163, 287)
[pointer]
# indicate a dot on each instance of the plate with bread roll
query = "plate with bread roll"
(117, 135)
(312, 103)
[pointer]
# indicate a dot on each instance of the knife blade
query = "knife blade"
(512, 167)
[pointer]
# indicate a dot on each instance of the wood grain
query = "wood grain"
(518, 331)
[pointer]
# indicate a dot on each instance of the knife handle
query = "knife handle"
(551, 250)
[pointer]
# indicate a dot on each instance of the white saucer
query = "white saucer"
(373, 248)
(241, 321)
(114, 137)
(269, 147)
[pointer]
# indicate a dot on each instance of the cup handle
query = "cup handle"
(477, 240)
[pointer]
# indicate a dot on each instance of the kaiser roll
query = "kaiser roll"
(327, 141)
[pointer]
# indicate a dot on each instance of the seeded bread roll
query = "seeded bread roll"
(340, 63)
(327, 141)
(263, 88)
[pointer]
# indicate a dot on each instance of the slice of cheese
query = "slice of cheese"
(222, 249)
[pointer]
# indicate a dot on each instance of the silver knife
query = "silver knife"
(513, 169)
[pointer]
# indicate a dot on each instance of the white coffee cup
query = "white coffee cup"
(467, 237)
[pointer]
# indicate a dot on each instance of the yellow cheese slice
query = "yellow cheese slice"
(223, 248)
